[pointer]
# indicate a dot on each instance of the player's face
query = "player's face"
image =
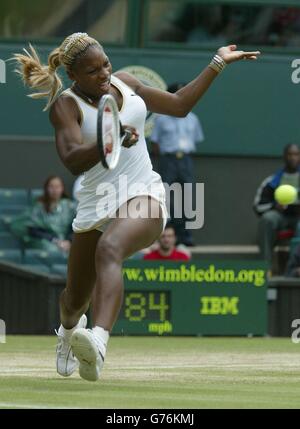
(92, 72)
(55, 189)
(292, 158)
(167, 239)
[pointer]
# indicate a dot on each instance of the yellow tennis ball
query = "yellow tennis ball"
(285, 194)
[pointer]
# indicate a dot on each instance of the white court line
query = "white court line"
(16, 370)
(48, 372)
(35, 406)
(143, 367)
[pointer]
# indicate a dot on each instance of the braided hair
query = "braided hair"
(45, 78)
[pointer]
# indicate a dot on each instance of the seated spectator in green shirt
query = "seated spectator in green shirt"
(47, 224)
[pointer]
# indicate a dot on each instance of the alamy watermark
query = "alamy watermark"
(187, 201)
(2, 71)
(296, 73)
(2, 331)
(296, 333)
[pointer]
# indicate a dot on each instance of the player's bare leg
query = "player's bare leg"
(75, 298)
(122, 238)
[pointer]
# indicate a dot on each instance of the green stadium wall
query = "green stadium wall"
(251, 109)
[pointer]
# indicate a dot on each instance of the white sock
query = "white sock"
(66, 333)
(102, 334)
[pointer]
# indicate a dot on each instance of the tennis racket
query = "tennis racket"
(110, 133)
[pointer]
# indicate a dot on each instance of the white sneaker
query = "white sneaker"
(66, 363)
(90, 351)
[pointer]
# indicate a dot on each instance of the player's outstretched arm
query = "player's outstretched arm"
(182, 102)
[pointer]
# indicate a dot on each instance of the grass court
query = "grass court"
(156, 372)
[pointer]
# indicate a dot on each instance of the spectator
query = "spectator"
(167, 249)
(47, 224)
(273, 216)
(174, 140)
(293, 265)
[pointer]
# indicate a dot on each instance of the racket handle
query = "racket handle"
(122, 129)
(126, 134)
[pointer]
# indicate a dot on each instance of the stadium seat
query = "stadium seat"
(36, 256)
(5, 221)
(11, 255)
(37, 267)
(13, 197)
(3, 226)
(60, 269)
(12, 210)
(34, 194)
(9, 241)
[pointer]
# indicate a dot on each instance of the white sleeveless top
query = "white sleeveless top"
(104, 191)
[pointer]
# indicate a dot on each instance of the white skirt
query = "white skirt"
(97, 207)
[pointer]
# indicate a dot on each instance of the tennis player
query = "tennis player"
(102, 239)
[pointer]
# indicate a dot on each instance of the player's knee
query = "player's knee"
(108, 251)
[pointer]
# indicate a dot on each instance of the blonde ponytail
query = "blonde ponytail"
(44, 78)
(38, 76)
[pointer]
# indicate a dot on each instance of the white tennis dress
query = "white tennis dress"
(104, 191)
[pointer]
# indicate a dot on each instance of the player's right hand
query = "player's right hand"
(133, 137)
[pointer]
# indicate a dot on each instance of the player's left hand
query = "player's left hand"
(230, 54)
(133, 139)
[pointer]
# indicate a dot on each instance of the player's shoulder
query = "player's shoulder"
(128, 79)
(64, 100)
(64, 106)
(123, 75)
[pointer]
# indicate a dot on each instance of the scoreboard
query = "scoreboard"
(195, 298)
